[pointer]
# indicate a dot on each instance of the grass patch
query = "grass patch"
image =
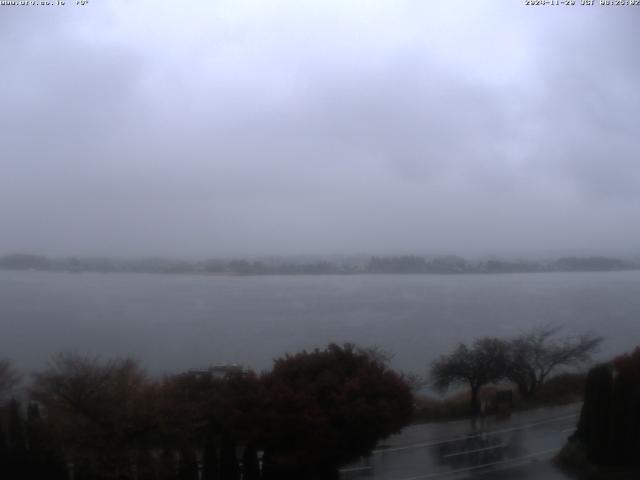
(562, 389)
(430, 409)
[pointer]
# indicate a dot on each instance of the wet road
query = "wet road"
(518, 447)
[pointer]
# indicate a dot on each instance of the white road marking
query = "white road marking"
(354, 469)
(506, 464)
(475, 451)
(456, 439)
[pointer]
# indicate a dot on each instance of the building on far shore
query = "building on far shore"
(218, 371)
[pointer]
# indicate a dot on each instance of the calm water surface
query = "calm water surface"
(174, 322)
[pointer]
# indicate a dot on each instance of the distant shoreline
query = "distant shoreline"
(392, 265)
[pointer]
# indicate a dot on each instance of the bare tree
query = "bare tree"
(9, 378)
(485, 362)
(97, 410)
(415, 381)
(537, 353)
(378, 353)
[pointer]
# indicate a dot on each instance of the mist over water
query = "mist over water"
(297, 128)
(223, 182)
(177, 322)
(243, 128)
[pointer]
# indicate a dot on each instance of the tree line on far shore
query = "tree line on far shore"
(402, 264)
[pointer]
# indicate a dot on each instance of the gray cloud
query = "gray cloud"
(305, 127)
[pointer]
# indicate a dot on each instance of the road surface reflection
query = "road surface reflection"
(516, 447)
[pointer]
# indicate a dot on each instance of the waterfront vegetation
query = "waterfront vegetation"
(562, 389)
(606, 442)
(93, 419)
(307, 416)
(526, 361)
(404, 264)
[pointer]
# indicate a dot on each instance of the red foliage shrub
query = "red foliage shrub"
(628, 365)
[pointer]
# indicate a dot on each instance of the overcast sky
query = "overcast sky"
(229, 127)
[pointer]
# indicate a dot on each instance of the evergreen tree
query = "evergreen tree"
(4, 450)
(229, 468)
(188, 469)
(16, 443)
(268, 470)
(17, 440)
(168, 470)
(145, 467)
(210, 463)
(250, 464)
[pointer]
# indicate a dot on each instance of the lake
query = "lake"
(177, 322)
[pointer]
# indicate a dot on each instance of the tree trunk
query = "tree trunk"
(595, 417)
(250, 464)
(229, 468)
(475, 405)
(535, 383)
(210, 463)
(523, 390)
(527, 386)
